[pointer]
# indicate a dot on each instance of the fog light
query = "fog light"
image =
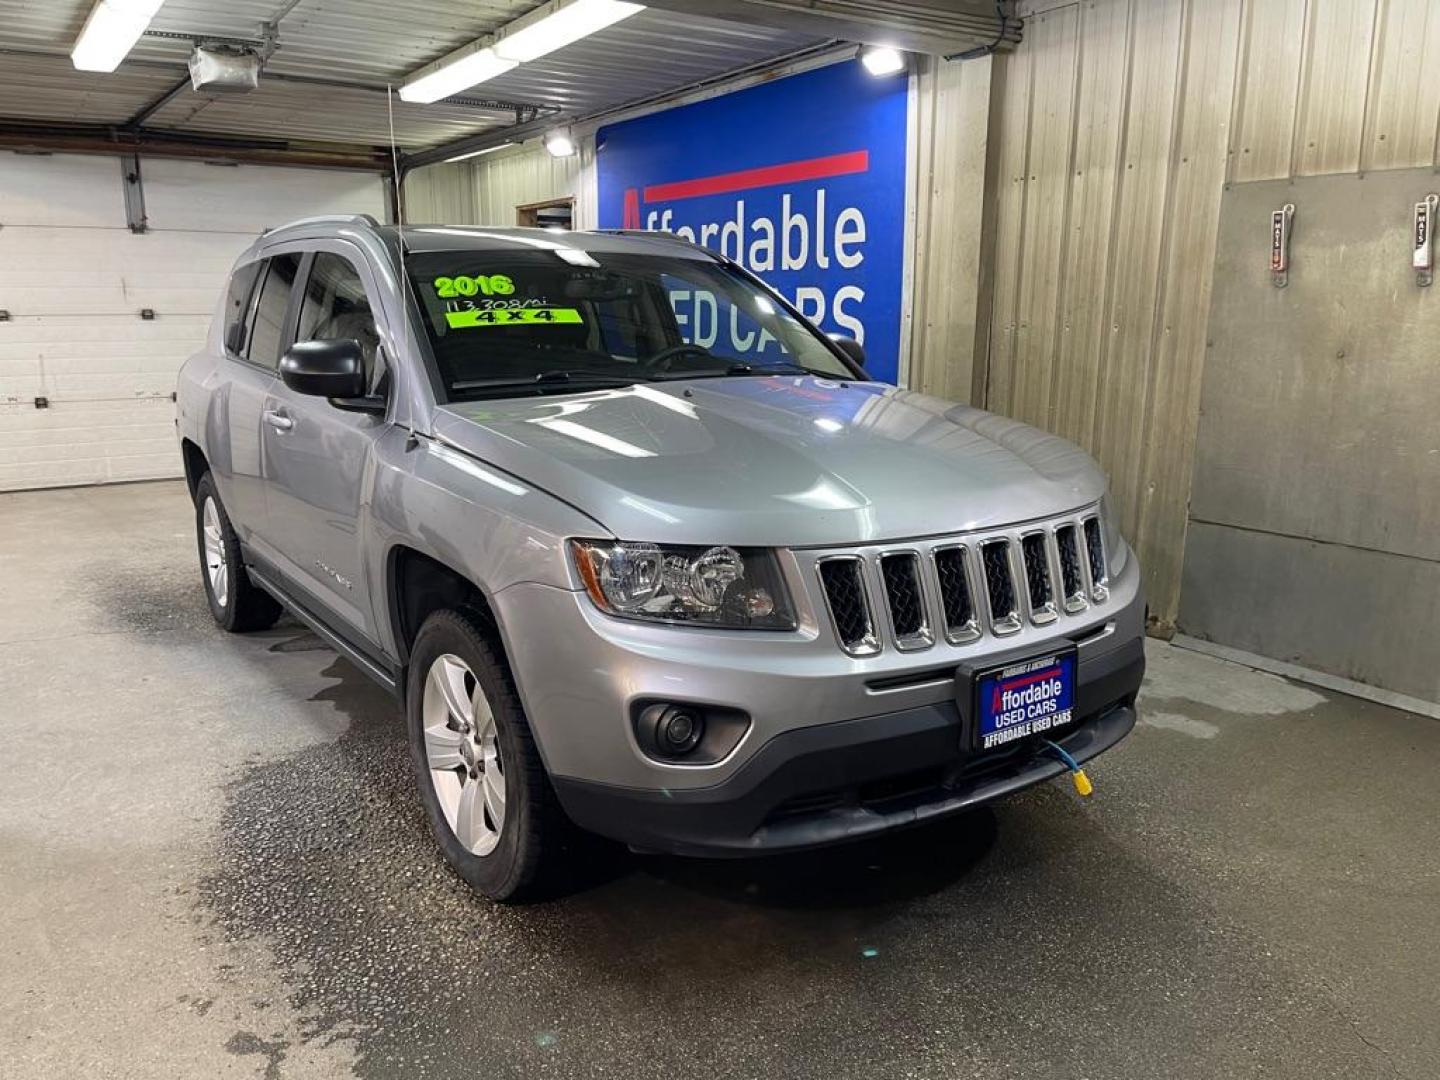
(681, 730)
(687, 734)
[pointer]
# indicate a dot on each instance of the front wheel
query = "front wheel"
(484, 789)
(235, 601)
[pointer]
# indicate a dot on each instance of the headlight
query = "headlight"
(735, 588)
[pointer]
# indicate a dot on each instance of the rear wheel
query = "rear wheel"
(484, 789)
(235, 601)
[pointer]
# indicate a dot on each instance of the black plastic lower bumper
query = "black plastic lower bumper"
(829, 783)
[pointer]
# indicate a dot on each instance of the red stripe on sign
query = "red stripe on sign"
(792, 172)
(1028, 679)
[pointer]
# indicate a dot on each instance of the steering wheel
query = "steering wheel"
(661, 362)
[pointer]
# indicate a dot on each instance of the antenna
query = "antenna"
(399, 225)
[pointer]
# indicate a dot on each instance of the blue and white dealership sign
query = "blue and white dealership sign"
(802, 180)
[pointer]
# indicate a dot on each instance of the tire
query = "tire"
(463, 759)
(237, 603)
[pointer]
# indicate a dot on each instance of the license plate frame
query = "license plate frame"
(1029, 711)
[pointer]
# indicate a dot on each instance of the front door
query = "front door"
(320, 457)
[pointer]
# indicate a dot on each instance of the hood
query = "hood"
(776, 462)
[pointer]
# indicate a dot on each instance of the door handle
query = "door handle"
(278, 420)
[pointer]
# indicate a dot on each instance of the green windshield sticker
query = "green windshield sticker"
(447, 288)
(509, 316)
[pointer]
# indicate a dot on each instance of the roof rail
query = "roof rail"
(657, 234)
(649, 234)
(322, 219)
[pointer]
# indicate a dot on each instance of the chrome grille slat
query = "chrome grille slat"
(963, 589)
(842, 580)
(1039, 582)
(905, 600)
(1000, 590)
(1095, 558)
(1072, 576)
(957, 600)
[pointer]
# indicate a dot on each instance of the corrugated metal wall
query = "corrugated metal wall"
(1117, 124)
(949, 325)
(487, 189)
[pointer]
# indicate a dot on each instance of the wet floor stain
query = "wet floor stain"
(246, 1043)
(1029, 940)
(164, 598)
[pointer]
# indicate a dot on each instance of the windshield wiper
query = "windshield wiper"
(547, 381)
(739, 368)
(743, 368)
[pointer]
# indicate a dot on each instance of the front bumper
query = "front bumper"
(827, 783)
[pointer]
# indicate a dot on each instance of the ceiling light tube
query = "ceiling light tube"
(455, 76)
(477, 153)
(563, 24)
(110, 32)
(557, 24)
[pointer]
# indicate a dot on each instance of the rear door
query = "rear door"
(320, 457)
(252, 348)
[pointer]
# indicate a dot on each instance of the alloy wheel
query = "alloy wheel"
(217, 566)
(462, 749)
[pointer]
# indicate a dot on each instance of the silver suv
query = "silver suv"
(640, 550)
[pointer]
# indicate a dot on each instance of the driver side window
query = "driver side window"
(335, 306)
(716, 323)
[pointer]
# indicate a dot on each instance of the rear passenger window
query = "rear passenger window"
(237, 305)
(267, 328)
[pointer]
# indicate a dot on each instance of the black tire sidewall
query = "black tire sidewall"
(224, 613)
(505, 870)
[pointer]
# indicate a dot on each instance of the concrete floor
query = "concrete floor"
(212, 864)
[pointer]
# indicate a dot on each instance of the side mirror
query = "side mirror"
(330, 369)
(850, 347)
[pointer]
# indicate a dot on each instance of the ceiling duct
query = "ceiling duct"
(936, 27)
(217, 68)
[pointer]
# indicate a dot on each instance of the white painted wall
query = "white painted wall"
(73, 279)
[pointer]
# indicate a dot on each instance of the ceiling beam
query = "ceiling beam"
(100, 139)
(934, 27)
(155, 104)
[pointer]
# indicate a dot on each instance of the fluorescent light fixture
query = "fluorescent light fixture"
(476, 153)
(553, 26)
(111, 32)
(882, 61)
(458, 75)
(563, 24)
(559, 144)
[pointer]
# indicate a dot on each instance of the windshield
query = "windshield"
(503, 323)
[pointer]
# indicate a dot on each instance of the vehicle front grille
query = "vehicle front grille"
(900, 574)
(1095, 550)
(955, 596)
(1037, 576)
(1072, 580)
(845, 595)
(1000, 586)
(964, 588)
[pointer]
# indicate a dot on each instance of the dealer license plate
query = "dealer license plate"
(1028, 697)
